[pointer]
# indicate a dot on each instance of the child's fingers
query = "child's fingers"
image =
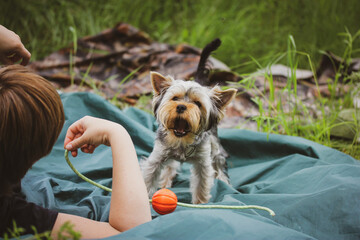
(25, 55)
(74, 153)
(70, 135)
(73, 132)
(85, 148)
(75, 144)
(88, 148)
(92, 148)
(15, 58)
(69, 142)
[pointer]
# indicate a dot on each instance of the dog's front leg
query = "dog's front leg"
(169, 173)
(151, 169)
(202, 179)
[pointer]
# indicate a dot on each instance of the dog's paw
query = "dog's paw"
(200, 198)
(223, 177)
(199, 201)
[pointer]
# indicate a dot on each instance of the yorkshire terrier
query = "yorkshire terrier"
(188, 114)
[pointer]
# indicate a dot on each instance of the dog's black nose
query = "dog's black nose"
(180, 108)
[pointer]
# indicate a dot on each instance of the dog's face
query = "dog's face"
(186, 109)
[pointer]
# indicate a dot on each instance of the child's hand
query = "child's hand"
(11, 48)
(88, 133)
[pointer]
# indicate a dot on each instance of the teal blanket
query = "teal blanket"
(314, 190)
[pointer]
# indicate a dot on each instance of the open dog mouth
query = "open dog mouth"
(181, 127)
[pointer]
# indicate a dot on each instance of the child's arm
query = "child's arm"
(129, 200)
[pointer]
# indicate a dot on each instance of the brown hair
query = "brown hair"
(31, 119)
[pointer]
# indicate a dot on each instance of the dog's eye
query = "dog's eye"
(198, 103)
(175, 98)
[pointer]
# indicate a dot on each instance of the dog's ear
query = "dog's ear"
(159, 82)
(223, 97)
(220, 98)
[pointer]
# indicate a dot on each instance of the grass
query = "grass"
(247, 27)
(281, 111)
(66, 231)
(255, 34)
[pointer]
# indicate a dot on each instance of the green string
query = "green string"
(271, 212)
(82, 176)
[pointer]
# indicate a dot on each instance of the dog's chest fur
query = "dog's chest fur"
(204, 146)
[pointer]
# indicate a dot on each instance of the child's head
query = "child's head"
(31, 119)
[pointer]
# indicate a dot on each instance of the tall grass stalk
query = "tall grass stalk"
(72, 54)
(282, 116)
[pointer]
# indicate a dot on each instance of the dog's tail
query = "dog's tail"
(202, 72)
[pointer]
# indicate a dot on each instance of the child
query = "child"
(32, 117)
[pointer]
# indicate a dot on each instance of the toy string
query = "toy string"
(271, 212)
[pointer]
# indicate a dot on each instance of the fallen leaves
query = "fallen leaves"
(116, 63)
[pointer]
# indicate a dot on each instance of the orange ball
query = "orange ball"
(164, 201)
